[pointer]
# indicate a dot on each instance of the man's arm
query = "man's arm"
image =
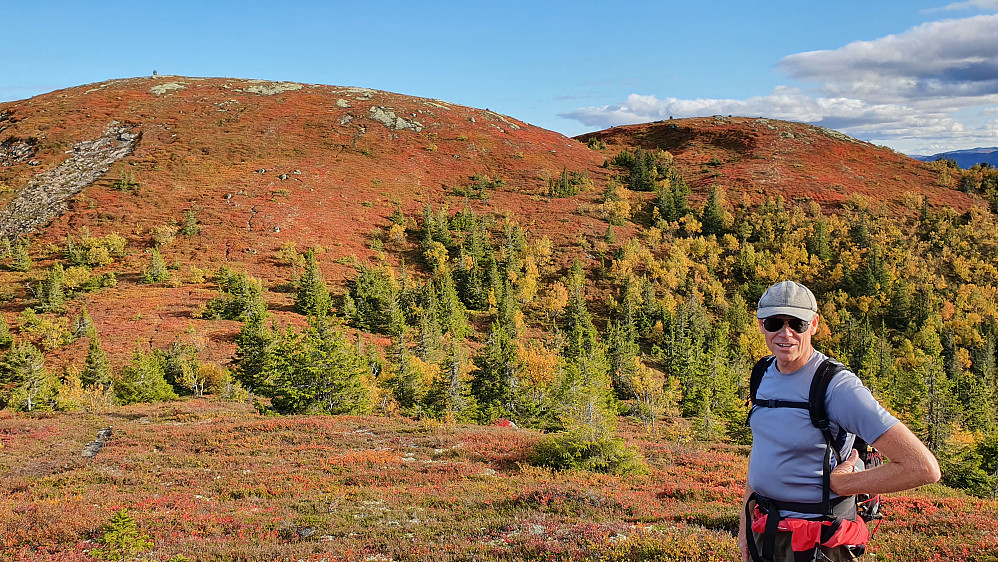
(911, 465)
(742, 536)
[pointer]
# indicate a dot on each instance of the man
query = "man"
(796, 478)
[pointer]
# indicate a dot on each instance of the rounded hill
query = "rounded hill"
(767, 157)
(259, 165)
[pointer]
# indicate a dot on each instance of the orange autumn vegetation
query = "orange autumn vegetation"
(211, 480)
(243, 176)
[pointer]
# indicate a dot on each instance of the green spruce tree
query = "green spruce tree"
(25, 384)
(450, 395)
(96, 369)
(312, 296)
(317, 372)
(5, 338)
(144, 379)
(19, 258)
(156, 271)
(495, 381)
(51, 296)
(254, 346)
(83, 323)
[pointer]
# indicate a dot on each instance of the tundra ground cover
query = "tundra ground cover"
(907, 292)
(210, 480)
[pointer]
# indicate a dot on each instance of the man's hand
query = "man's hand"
(845, 467)
(911, 465)
(743, 545)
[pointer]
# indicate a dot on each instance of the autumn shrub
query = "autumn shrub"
(52, 331)
(125, 183)
(396, 234)
(76, 277)
(195, 275)
(93, 251)
(163, 235)
(98, 256)
(216, 377)
(81, 279)
(580, 450)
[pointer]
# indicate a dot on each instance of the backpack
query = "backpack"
(847, 507)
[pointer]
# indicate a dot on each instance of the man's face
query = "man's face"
(792, 349)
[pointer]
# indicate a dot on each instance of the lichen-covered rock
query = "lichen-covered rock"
(271, 88)
(394, 122)
(160, 89)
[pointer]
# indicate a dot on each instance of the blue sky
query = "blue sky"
(915, 75)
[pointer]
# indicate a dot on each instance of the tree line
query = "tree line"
(484, 325)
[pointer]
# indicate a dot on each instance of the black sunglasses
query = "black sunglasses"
(773, 324)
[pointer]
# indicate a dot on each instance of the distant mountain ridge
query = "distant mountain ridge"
(966, 158)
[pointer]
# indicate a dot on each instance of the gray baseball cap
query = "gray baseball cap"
(788, 298)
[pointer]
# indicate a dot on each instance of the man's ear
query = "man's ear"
(814, 324)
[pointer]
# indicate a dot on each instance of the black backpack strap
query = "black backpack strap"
(769, 535)
(816, 396)
(819, 418)
(758, 370)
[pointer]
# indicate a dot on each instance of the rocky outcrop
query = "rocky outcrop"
(160, 89)
(272, 88)
(394, 122)
(47, 195)
(94, 447)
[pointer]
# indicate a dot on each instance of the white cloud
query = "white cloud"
(850, 115)
(986, 5)
(903, 90)
(955, 60)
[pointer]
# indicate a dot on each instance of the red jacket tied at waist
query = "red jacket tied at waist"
(807, 533)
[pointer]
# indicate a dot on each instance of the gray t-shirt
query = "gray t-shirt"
(787, 450)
